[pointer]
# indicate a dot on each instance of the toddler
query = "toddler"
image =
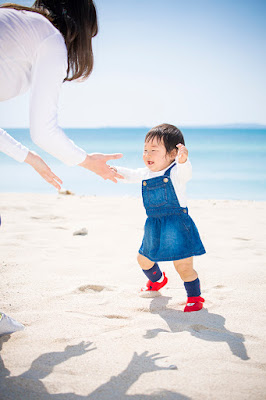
(169, 233)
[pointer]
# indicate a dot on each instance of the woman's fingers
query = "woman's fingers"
(112, 156)
(55, 184)
(43, 170)
(96, 163)
(51, 178)
(56, 178)
(115, 171)
(110, 174)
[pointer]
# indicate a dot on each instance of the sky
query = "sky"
(189, 63)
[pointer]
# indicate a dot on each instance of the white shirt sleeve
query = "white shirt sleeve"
(132, 175)
(48, 73)
(182, 173)
(12, 147)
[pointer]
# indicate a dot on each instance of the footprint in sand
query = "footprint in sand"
(221, 293)
(199, 328)
(143, 309)
(219, 287)
(94, 288)
(113, 316)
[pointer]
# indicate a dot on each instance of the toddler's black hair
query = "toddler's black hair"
(169, 134)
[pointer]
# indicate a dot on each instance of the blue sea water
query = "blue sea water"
(227, 163)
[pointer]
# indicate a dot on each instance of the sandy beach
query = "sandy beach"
(88, 334)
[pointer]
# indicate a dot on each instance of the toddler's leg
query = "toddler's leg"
(144, 262)
(185, 269)
(157, 279)
(191, 282)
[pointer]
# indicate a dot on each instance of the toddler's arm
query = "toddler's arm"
(131, 175)
(183, 170)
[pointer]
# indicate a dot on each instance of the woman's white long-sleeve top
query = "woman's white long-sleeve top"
(180, 174)
(33, 55)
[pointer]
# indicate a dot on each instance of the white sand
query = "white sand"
(90, 336)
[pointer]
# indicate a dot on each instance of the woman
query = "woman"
(40, 48)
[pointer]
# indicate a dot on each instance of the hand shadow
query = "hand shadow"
(30, 382)
(119, 385)
(202, 324)
(28, 385)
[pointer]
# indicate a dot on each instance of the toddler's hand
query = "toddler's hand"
(182, 153)
(115, 170)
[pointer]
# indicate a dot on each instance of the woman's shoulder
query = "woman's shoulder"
(52, 43)
(33, 23)
(29, 26)
(42, 25)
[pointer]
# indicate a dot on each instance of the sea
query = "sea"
(228, 163)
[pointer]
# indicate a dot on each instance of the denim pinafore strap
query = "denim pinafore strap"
(159, 197)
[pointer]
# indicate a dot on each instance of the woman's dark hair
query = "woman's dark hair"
(77, 22)
(169, 134)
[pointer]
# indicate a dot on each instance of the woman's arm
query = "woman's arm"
(48, 74)
(12, 147)
(20, 153)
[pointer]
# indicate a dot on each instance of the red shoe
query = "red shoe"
(155, 286)
(194, 304)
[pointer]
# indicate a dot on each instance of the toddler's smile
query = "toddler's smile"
(155, 156)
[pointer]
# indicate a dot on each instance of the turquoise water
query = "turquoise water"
(227, 163)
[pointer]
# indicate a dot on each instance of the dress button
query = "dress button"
(165, 180)
(144, 183)
(185, 211)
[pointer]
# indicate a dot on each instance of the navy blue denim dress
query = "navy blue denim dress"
(169, 233)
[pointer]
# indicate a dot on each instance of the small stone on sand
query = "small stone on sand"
(81, 232)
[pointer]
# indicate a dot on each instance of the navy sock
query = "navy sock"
(154, 273)
(193, 288)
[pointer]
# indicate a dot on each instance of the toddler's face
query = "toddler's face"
(155, 156)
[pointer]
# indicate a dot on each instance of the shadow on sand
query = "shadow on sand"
(202, 324)
(28, 386)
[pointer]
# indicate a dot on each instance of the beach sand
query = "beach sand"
(88, 333)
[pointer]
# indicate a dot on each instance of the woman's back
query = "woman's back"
(21, 35)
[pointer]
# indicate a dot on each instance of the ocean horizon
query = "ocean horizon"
(228, 162)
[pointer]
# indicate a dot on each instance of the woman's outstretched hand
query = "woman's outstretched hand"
(42, 168)
(97, 163)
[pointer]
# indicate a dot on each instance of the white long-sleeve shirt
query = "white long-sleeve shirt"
(33, 55)
(180, 174)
